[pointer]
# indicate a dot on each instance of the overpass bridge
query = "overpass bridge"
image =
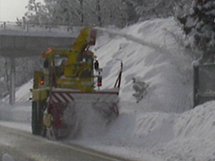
(27, 40)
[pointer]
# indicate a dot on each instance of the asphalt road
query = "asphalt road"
(24, 146)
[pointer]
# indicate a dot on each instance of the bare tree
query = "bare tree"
(79, 12)
(98, 9)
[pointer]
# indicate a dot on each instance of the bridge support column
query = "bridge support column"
(12, 80)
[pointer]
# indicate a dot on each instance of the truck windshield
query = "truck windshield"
(60, 60)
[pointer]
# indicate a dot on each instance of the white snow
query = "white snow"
(163, 125)
(7, 157)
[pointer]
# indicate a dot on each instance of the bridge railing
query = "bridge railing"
(38, 29)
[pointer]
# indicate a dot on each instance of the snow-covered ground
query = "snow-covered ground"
(162, 126)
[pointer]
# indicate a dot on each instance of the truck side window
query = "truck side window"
(46, 63)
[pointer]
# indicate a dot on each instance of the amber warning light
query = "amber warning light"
(42, 82)
(99, 82)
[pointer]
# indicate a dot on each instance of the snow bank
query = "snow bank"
(194, 135)
(156, 135)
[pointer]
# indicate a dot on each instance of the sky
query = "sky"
(10, 10)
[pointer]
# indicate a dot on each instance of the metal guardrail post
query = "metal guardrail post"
(195, 85)
(27, 27)
(4, 25)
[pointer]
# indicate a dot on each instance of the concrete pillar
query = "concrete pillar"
(12, 80)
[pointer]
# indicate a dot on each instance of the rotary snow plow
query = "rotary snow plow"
(70, 77)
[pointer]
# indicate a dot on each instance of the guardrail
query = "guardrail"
(38, 29)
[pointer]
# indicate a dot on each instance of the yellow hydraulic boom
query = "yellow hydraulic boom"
(84, 40)
(77, 70)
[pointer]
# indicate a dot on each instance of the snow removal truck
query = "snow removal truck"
(70, 78)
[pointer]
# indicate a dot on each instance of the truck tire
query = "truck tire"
(37, 115)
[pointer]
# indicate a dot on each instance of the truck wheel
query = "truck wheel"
(37, 115)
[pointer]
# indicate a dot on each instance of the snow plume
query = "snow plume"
(86, 121)
(152, 54)
(130, 37)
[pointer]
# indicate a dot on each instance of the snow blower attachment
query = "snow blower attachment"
(69, 78)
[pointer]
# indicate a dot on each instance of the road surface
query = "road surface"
(24, 146)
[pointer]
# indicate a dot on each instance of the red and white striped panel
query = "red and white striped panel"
(67, 97)
(62, 97)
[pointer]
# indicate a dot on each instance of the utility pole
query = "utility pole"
(12, 80)
(0, 10)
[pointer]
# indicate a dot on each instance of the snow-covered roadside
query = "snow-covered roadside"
(25, 126)
(20, 112)
(161, 126)
(152, 136)
(157, 136)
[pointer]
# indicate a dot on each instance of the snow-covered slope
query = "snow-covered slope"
(162, 126)
(161, 63)
(22, 93)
